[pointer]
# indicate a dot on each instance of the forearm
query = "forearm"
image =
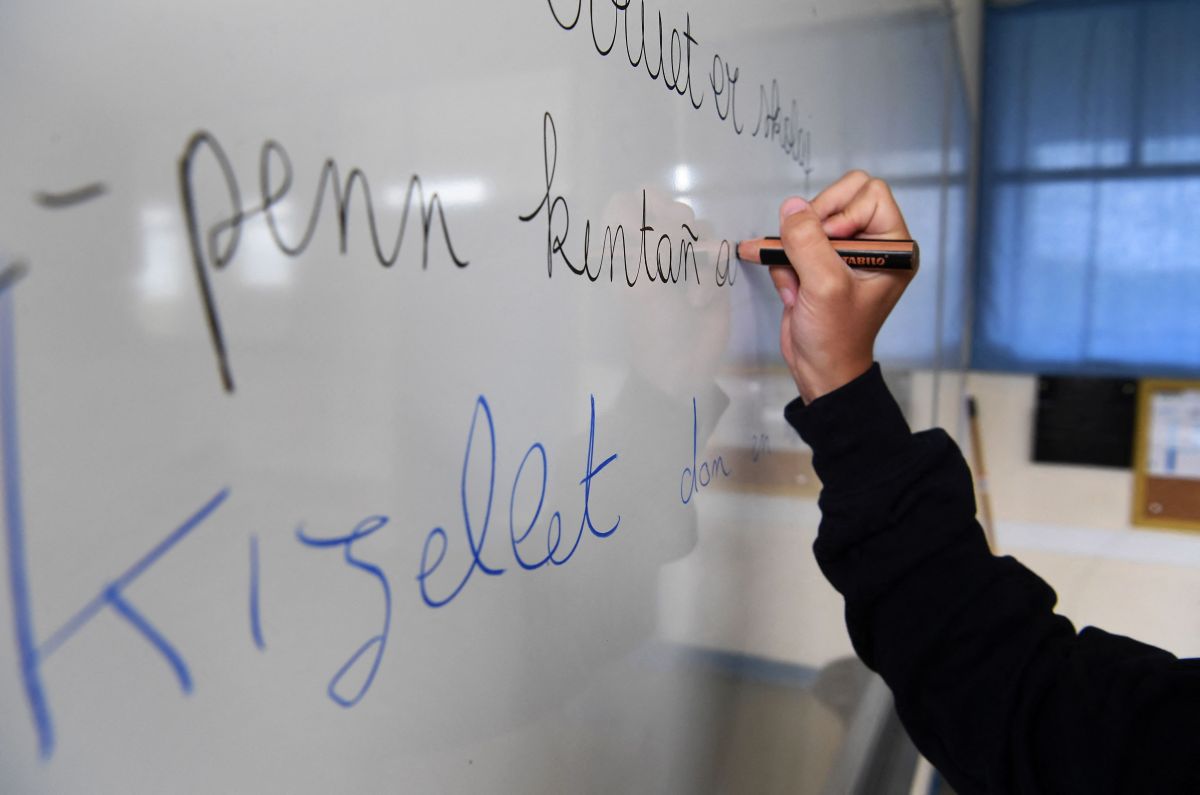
(981, 668)
(998, 691)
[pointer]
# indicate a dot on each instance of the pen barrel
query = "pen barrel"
(878, 254)
(902, 255)
(773, 256)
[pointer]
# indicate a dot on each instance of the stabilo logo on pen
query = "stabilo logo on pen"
(868, 261)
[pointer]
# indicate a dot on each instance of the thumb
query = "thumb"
(793, 204)
(813, 258)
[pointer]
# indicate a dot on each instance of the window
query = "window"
(1089, 226)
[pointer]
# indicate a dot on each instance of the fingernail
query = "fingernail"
(788, 296)
(793, 205)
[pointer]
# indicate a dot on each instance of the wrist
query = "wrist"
(815, 382)
(854, 432)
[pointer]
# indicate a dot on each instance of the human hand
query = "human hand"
(832, 312)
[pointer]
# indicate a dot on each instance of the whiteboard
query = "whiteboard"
(382, 408)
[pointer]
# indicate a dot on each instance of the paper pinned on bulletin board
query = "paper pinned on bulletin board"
(1167, 484)
(1175, 437)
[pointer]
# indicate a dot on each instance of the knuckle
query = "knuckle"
(856, 174)
(801, 230)
(879, 189)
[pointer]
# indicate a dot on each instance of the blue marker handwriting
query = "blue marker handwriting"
(377, 642)
(694, 478)
(475, 528)
(30, 653)
(481, 443)
(256, 631)
(441, 577)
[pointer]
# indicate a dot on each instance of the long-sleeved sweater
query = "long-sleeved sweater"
(997, 691)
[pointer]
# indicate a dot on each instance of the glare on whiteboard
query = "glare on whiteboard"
(161, 277)
(450, 192)
(683, 178)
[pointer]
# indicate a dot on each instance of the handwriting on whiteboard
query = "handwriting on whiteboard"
(474, 534)
(31, 652)
(437, 584)
(554, 532)
(376, 643)
(696, 477)
(673, 262)
(674, 70)
(217, 245)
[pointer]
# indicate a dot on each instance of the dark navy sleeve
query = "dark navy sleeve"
(997, 691)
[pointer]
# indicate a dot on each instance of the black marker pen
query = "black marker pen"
(897, 255)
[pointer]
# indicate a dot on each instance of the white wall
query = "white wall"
(1071, 524)
(1096, 497)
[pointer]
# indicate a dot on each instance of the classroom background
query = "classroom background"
(1088, 172)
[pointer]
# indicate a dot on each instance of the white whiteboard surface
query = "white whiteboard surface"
(285, 511)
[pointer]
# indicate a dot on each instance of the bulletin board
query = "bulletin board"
(1167, 455)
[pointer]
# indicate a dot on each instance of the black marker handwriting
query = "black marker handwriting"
(667, 267)
(674, 56)
(759, 446)
(219, 245)
(720, 71)
(70, 198)
(674, 69)
(793, 139)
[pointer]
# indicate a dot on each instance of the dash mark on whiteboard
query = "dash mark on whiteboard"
(70, 198)
(12, 274)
